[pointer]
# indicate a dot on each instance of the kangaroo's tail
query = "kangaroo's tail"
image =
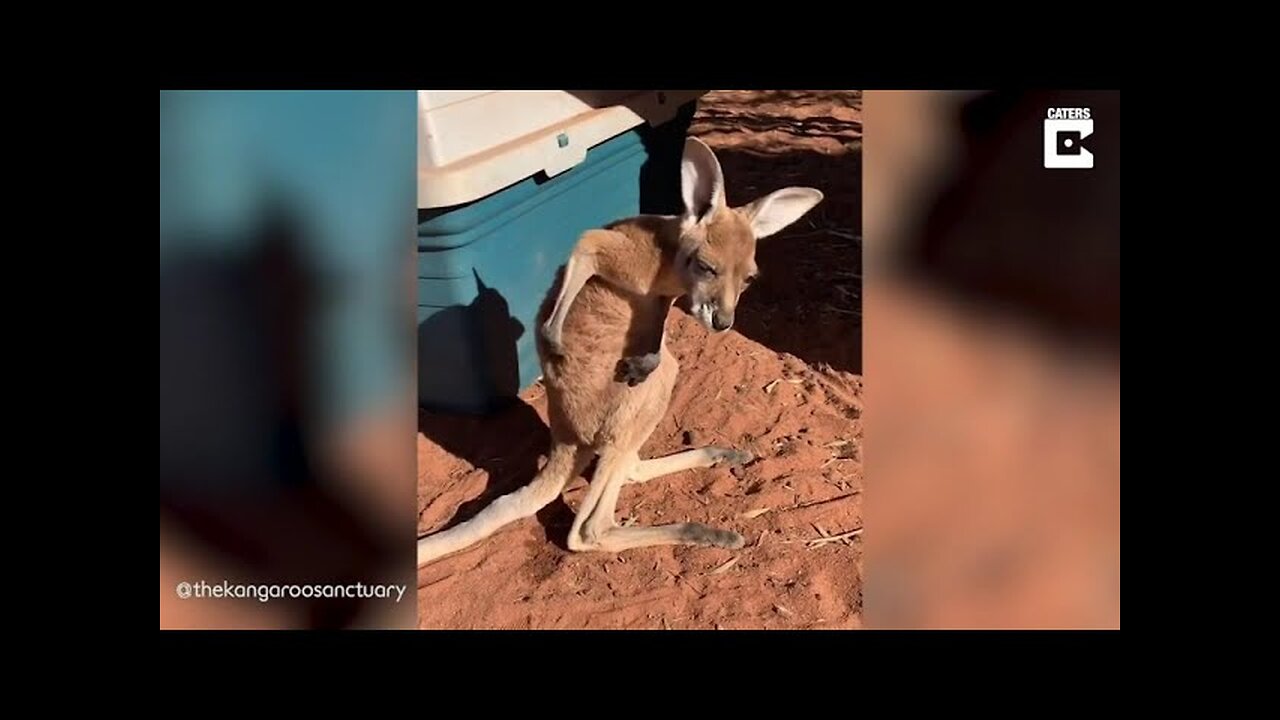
(562, 465)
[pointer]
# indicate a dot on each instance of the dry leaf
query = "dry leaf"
(817, 542)
(724, 567)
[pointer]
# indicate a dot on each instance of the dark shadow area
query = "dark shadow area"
(1007, 232)
(505, 443)
(237, 474)
(467, 355)
(467, 352)
(664, 146)
(808, 298)
(660, 174)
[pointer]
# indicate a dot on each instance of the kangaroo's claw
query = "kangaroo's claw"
(634, 369)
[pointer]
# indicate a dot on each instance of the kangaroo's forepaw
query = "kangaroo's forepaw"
(732, 458)
(634, 369)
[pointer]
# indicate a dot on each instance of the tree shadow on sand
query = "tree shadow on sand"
(808, 299)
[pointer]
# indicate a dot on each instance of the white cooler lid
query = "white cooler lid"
(472, 143)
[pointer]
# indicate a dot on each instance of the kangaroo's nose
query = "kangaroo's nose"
(722, 320)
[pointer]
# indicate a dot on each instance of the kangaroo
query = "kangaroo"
(606, 367)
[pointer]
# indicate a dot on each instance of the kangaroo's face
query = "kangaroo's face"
(717, 258)
(720, 265)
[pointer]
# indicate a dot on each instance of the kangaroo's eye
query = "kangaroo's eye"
(705, 269)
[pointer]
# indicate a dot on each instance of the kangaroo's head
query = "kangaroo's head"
(717, 256)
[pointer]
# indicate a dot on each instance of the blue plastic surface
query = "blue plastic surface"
(485, 267)
(337, 170)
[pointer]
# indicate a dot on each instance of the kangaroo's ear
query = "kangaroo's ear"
(702, 182)
(779, 209)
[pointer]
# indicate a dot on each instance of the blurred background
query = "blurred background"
(286, 353)
(992, 344)
(292, 450)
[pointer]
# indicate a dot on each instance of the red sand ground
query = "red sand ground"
(785, 384)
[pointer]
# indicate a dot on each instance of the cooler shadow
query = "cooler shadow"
(509, 441)
(465, 353)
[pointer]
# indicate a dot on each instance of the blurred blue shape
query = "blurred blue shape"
(334, 172)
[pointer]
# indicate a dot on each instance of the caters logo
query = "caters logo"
(1066, 131)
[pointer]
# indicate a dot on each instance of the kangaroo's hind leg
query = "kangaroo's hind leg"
(564, 462)
(646, 470)
(595, 528)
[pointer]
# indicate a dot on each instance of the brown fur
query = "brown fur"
(622, 309)
(628, 275)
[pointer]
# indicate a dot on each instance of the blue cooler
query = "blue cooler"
(486, 263)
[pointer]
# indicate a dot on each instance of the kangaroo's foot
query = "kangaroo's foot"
(617, 539)
(688, 460)
(594, 527)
